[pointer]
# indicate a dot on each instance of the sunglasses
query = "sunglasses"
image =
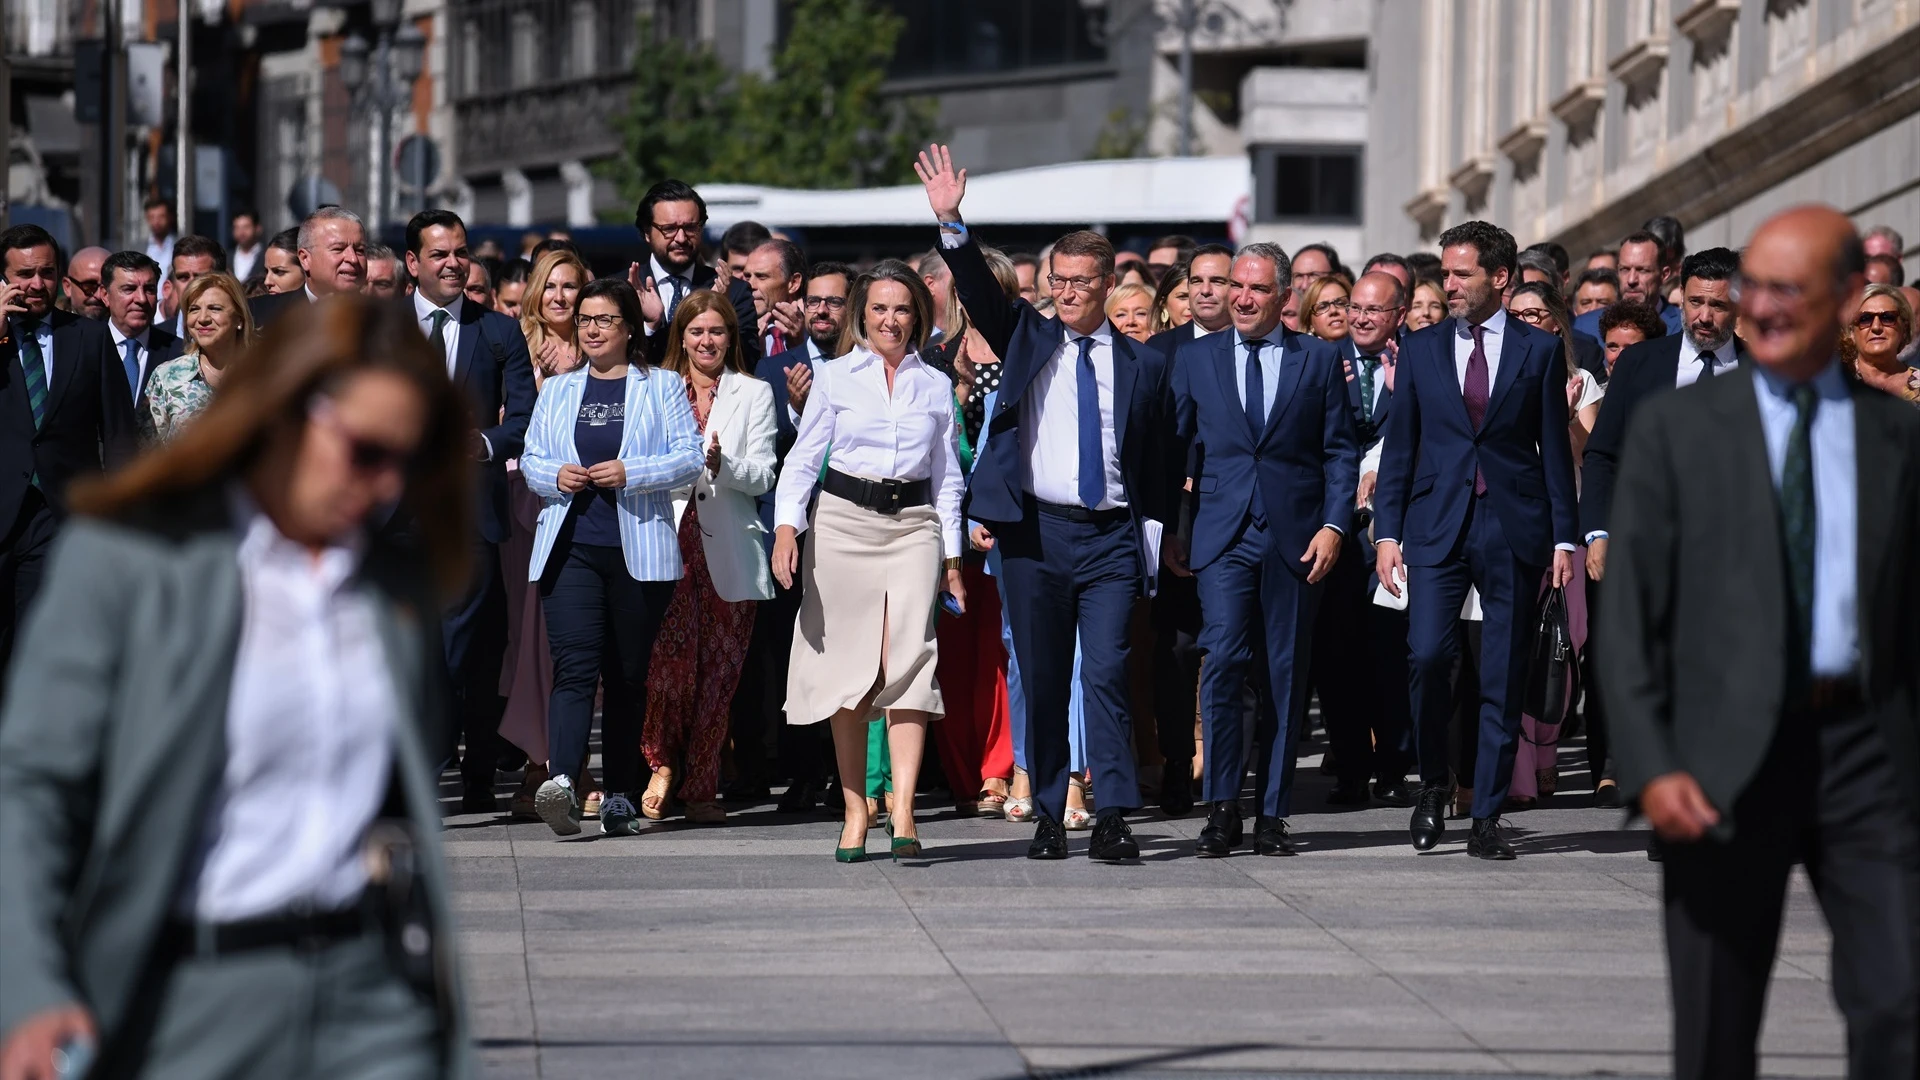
(1868, 319)
(368, 457)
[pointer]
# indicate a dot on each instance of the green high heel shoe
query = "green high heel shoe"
(906, 847)
(849, 854)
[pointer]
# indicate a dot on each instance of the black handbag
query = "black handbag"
(1553, 668)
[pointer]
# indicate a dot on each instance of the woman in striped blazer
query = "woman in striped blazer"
(607, 445)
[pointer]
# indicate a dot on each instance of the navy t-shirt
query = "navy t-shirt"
(596, 437)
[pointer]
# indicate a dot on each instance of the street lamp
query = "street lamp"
(380, 79)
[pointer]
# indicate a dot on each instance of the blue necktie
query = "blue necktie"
(132, 364)
(1256, 390)
(1093, 457)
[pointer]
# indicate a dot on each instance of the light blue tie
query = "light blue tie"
(1093, 457)
(132, 363)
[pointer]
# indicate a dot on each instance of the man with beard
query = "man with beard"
(131, 286)
(671, 218)
(85, 294)
(763, 682)
(1643, 273)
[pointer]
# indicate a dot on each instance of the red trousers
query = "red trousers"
(975, 738)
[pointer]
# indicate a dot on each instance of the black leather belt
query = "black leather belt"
(885, 496)
(1081, 513)
(305, 933)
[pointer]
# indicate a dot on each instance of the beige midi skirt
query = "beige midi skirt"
(870, 577)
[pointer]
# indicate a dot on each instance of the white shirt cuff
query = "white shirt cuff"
(952, 234)
(488, 443)
(1597, 534)
(1563, 547)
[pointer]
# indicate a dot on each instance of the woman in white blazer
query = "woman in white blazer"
(703, 643)
(607, 445)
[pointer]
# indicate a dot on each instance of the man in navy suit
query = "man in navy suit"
(130, 284)
(672, 217)
(1360, 648)
(1475, 491)
(1275, 487)
(487, 359)
(1073, 468)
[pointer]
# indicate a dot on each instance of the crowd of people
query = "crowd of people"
(1079, 530)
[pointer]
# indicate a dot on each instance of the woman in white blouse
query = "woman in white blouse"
(878, 440)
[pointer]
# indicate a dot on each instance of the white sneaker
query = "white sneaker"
(558, 805)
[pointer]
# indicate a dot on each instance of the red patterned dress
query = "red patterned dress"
(696, 661)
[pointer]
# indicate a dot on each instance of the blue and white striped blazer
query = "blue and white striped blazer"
(659, 445)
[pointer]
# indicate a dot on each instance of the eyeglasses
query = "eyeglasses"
(1869, 319)
(88, 287)
(1328, 307)
(368, 457)
(1373, 312)
(1082, 285)
(1532, 316)
(604, 322)
(688, 229)
(831, 303)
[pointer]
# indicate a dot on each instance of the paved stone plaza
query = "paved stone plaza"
(745, 951)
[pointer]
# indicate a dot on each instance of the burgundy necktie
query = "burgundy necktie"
(779, 340)
(1474, 390)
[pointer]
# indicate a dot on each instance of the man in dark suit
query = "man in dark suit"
(487, 359)
(65, 411)
(761, 699)
(1475, 491)
(1275, 498)
(671, 218)
(129, 282)
(333, 255)
(1360, 648)
(1176, 604)
(1071, 473)
(1705, 349)
(1762, 604)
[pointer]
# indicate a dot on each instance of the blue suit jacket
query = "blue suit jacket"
(1367, 426)
(1427, 466)
(1589, 324)
(773, 371)
(495, 374)
(1305, 459)
(1025, 340)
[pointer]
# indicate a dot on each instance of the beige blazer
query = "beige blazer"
(730, 527)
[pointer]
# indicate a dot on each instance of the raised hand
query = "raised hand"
(713, 455)
(1389, 359)
(799, 384)
(945, 187)
(652, 308)
(790, 317)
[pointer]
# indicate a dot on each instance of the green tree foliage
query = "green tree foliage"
(819, 120)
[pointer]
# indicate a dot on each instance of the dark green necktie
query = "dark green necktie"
(1797, 519)
(439, 335)
(1367, 366)
(33, 369)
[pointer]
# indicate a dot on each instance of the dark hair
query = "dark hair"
(792, 260)
(1630, 313)
(430, 219)
(23, 237)
(1026, 258)
(1710, 264)
(1895, 268)
(153, 201)
(666, 191)
(1599, 275)
(1334, 265)
(248, 212)
(1555, 252)
(1671, 236)
(379, 252)
(490, 267)
(193, 245)
(1540, 261)
(287, 240)
(1549, 294)
(1423, 264)
(1492, 245)
(1645, 237)
(1182, 245)
(513, 271)
(133, 262)
(1208, 249)
(1083, 242)
(266, 395)
(918, 295)
(698, 303)
(829, 269)
(1851, 260)
(1386, 258)
(1175, 276)
(551, 244)
(742, 237)
(623, 297)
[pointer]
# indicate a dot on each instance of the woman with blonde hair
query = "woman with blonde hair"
(546, 311)
(219, 328)
(709, 622)
(1881, 328)
(886, 535)
(1130, 310)
(1323, 307)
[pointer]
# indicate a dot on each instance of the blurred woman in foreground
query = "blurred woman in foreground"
(228, 669)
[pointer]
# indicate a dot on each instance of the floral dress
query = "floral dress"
(176, 392)
(696, 660)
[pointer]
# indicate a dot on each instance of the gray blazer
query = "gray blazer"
(112, 740)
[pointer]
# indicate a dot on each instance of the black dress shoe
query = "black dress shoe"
(1270, 837)
(1429, 822)
(1607, 797)
(1655, 853)
(1049, 840)
(1176, 788)
(1112, 840)
(1393, 792)
(1222, 833)
(1349, 793)
(1485, 841)
(479, 802)
(799, 797)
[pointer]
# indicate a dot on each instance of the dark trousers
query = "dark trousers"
(1827, 796)
(473, 638)
(1599, 745)
(759, 702)
(1255, 605)
(1176, 666)
(1509, 600)
(1360, 671)
(1061, 578)
(23, 559)
(600, 625)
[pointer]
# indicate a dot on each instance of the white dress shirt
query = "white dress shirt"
(906, 435)
(243, 260)
(423, 310)
(1495, 336)
(161, 251)
(309, 737)
(1835, 648)
(1692, 363)
(1050, 424)
(672, 287)
(142, 354)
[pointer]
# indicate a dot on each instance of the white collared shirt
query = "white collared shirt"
(243, 260)
(673, 288)
(142, 352)
(1492, 339)
(906, 435)
(1691, 365)
(1050, 424)
(309, 738)
(423, 310)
